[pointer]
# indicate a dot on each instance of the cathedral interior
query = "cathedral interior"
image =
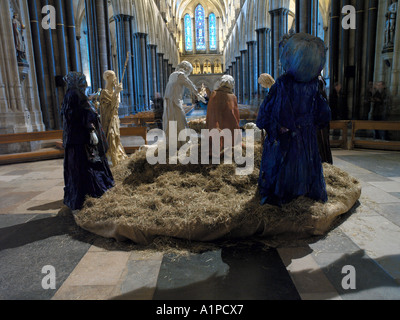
(143, 42)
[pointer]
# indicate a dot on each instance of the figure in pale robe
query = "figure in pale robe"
(173, 104)
(109, 104)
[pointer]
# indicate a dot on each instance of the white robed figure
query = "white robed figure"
(173, 104)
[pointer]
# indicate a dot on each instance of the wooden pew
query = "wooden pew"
(34, 155)
(133, 131)
(343, 126)
(375, 144)
(54, 153)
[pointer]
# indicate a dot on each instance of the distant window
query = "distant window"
(188, 33)
(213, 32)
(200, 28)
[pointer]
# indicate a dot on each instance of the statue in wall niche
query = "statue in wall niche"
(18, 29)
(390, 25)
(218, 67)
(109, 104)
(207, 68)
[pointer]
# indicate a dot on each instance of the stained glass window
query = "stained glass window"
(188, 33)
(213, 32)
(200, 28)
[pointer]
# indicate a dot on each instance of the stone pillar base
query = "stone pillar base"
(17, 122)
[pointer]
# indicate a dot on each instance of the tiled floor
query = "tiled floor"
(37, 231)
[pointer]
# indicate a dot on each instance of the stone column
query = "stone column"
(334, 43)
(169, 69)
(238, 81)
(95, 73)
(274, 43)
(244, 76)
(279, 26)
(233, 73)
(40, 73)
(261, 50)
(99, 51)
(395, 81)
(141, 70)
(153, 70)
(108, 41)
(121, 56)
(307, 16)
(371, 46)
(151, 91)
(165, 72)
(120, 46)
(358, 54)
(16, 86)
(160, 69)
(344, 60)
(29, 83)
(252, 58)
(52, 73)
(314, 17)
(144, 76)
(73, 48)
(62, 44)
(269, 50)
(102, 37)
(263, 56)
(301, 16)
(129, 79)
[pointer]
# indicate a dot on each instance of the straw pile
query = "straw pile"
(206, 203)
(197, 124)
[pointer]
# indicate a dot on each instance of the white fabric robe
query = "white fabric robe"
(173, 104)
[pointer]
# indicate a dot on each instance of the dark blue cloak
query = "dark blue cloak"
(291, 164)
(86, 169)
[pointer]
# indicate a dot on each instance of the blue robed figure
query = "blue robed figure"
(291, 113)
(86, 169)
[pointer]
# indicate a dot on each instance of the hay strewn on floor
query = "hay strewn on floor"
(206, 203)
(197, 124)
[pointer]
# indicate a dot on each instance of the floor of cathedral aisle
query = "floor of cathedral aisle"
(34, 233)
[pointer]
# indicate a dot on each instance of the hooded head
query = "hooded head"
(266, 81)
(76, 80)
(226, 82)
(303, 56)
(186, 67)
(109, 75)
